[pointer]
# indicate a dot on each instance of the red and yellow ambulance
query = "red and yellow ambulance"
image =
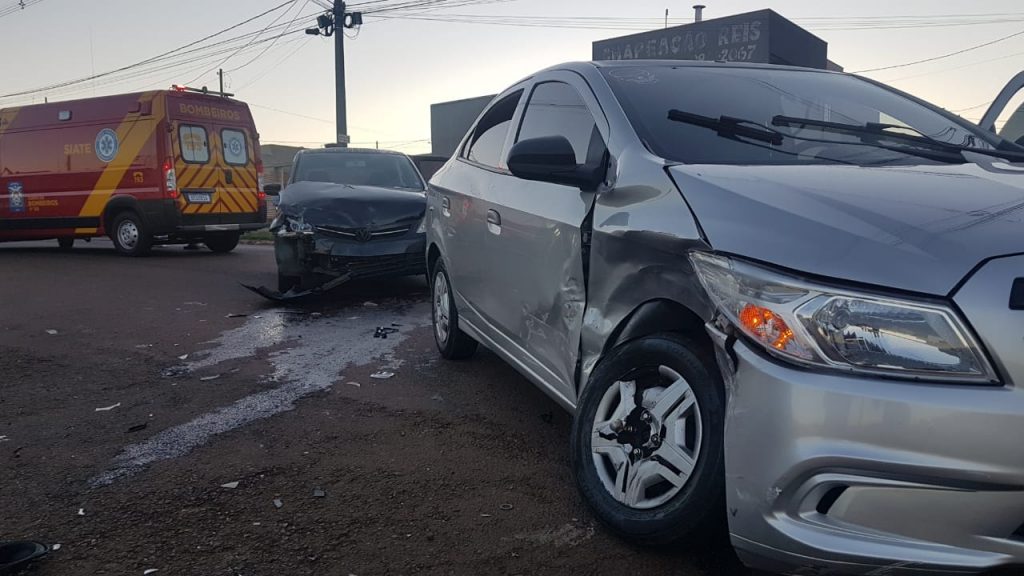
(162, 167)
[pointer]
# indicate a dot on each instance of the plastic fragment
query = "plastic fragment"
(278, 503)
(208, 378)
(55, 547)
(370, 304)
(81, 511)
(149, 571)
(108, 408)
(51, 332)
(319, 493)
(230, 485)
(506, 507)
(236, 315)
(356, 384)
(183, 357)
(382, 375)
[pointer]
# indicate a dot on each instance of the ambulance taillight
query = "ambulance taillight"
(170, 179)
(259, 181)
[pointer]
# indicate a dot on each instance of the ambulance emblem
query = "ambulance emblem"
(107, 145)
(16, 197)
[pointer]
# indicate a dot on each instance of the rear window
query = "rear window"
(235, 149)
(194, 146)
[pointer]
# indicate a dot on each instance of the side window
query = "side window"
(488, 140)
(235, 149)
(557, 109)
(194, 147)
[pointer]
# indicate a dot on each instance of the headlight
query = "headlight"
(423, 226)
(821, 326)
(290, 226)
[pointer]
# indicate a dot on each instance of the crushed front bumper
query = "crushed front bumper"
(320, 255)
(832, 474)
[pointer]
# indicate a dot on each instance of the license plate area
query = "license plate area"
(199, 197)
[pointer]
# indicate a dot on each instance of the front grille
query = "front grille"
(363, 234)
(364, 267)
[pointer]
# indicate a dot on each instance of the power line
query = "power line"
(265, 50)
(944, 56)
(146, 61)
(17, 7)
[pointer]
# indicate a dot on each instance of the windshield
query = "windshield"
(758, 96)
(359, 169)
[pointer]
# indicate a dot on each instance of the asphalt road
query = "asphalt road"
(131, 404)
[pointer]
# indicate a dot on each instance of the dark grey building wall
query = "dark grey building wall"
(763, 36)
(449, 122)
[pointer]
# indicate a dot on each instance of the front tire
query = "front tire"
(647, 441)
(222, 243)
(66, 242)
(452, 342)
(130, 235)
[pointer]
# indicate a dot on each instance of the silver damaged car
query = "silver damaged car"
(786, 299)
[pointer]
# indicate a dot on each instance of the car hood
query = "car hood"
(920, 228)
(320, 203)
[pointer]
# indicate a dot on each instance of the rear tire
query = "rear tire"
(130, 235)
(66, 242)
(452, 342)
(651, 466)
(222, 243)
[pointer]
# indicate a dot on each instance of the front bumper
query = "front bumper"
(832, 474)
(318, 254)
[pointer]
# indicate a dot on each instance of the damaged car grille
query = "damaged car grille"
(363, 267)
(363, 234)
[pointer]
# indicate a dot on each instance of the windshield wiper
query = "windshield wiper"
(728, 126)
(870, 132)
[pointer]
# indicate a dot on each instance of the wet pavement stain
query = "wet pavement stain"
(318, 349)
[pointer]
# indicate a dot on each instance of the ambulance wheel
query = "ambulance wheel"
(130, 235)
(222, 243)
(66, 242)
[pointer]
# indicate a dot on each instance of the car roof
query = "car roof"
(340, 150)
(580, 66)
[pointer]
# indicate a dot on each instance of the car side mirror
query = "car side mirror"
(552, 159)
(272, 189)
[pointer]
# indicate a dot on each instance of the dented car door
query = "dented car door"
(534, 240)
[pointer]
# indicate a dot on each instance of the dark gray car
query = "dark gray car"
(349, 213)
(788, 299)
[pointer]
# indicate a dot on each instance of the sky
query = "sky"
(397, 67)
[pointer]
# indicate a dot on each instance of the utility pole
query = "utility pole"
(333, 23)
(340, 109)
(220, 74)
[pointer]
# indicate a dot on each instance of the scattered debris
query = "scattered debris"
(485, 515)
(258, 316)
(51, 332)
(383, 331)
(143, 345)
(194, 304)
(315, 314)
(230, 485)
(356, 384)
(278, 503)
(295, 293)
(208, 378)
(382, 375)
(369, 304)
(81, 511)
(55, 547)
(319, 493)
(149, 571)
(138, 427)
(183, 357)
(353, 317)
(506, 507)
(437, 398)
(236, 315)
(4, 439)
(108, 408)
(175, 371)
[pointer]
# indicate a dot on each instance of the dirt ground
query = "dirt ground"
(442, 468)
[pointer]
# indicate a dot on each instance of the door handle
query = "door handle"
(446, 206)
(229, 177)
(493, 217)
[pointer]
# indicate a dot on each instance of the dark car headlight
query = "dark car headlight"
(817, 325)
(287, 226)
